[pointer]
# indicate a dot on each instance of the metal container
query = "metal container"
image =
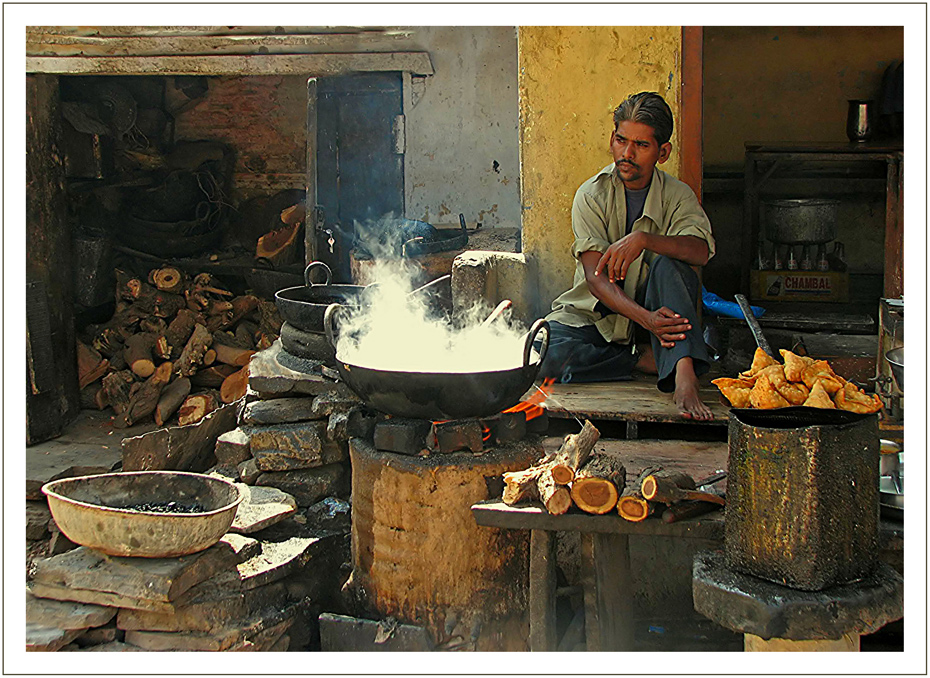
(94, 511)
(800, 221)
(802, 501)
(860, 124)
(895, 358)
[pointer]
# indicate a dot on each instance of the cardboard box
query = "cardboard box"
(799, 286)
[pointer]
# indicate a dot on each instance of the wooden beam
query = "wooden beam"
(894, 230)
(54, 43)
(692, 108)
(417, 63)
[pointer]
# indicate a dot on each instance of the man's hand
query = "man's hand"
(667, 325)
(618, 257)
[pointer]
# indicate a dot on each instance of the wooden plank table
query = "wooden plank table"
(630, 401)
(607, 578)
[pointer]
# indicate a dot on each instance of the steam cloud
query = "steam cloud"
(392, 330)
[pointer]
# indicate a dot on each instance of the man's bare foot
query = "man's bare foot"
(647, 360)
(687, 392)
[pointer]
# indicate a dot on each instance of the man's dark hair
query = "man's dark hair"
(650, 109)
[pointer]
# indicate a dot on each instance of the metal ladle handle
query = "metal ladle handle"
(317, 264)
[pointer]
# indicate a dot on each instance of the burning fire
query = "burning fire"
(533, 405)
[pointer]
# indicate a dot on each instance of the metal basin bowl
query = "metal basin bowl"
(802, 221)
(95, 511)
(895, 358)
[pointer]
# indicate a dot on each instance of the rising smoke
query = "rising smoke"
(396, 331)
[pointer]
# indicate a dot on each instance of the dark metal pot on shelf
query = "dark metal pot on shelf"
(800, 221)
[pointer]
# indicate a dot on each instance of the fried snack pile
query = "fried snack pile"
(801, 380)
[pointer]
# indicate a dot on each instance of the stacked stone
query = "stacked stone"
(293, 432)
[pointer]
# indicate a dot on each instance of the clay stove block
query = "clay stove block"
(457, 436)
(404, 436)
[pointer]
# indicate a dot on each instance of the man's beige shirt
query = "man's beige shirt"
(599, 219)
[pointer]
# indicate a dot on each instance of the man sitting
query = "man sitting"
(638, 231)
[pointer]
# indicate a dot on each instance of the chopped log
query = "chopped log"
(126, 285)
(598, 483)
(218, 321)
(631, 505)
(192, 355)
(218, 306)
(118, 363)
(205, 282)
(117, 386)
(94, 397)
(574, 453)
(231, 355)
(294, 214)
(280, 245)
(271, 319)
(196, 300)
(143, 403)
(161, 348)
(213, 376)
(179, 331)
(153, 324)
(521, 485)
(245, 334)
(209, 357)
(265, 341)
(197, 406)
(168, 279)
(138, 353)
(690, 508)
(235, 385)
(108, 341)
(167, 305)
(669, 487)
(91, 366)
(171, 398)
(554, 496)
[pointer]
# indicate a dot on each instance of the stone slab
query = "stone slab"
(286, 447)
(307, 486)
(100, 636)
(261, 507)
(47, 639)
(180, 448)
(268, 377)
(159, 580)
(281, 411)
(116, 646)
(747, 604)
(218, 640)
(339, 633)
(232, 447)
(326, 404)
(331, 514)
(213, 605)
(65, 615)
(54, 462)
(37, 517)
(248, 471)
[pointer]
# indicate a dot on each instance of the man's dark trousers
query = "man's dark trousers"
(580, 354)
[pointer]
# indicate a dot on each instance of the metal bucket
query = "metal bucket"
(801, 221)
(802, 501)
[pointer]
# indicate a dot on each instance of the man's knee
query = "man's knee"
(663, 267)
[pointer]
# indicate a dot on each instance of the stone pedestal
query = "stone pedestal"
(776, 618)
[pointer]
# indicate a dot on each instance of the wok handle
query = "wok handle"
(318, 264)
(329, 319)
(537, 327)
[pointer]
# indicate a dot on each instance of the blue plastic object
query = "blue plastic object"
(716, 305)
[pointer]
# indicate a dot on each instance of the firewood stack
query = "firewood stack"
(571, 475)
(597, 484)
(176, 348)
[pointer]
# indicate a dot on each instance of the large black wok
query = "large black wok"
(304, 306)
(440, 396)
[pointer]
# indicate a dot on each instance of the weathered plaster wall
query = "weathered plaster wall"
(462, 139)
(571, 79)
(788, 83)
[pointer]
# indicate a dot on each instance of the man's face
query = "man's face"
(636, 153)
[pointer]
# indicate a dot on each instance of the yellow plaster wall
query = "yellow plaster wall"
(571, 78)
